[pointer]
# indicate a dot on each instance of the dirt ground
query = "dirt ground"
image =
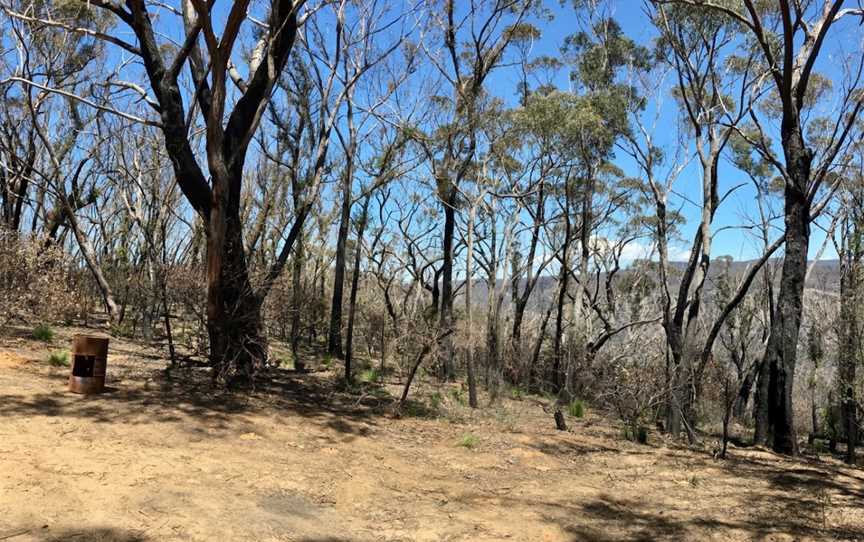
(297, 460)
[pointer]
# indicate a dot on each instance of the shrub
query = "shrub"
(122, 330)
(576, 408)
(636, 434)
(58, 359)
(413, 409)
(36, 283)
(43, 333)
(516, 393)
(469, 441)
(435, 401)
(458, 396)
(370, 375)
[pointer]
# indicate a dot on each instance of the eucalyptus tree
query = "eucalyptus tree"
(19, 147)
(544, 145)
(361, 115)
(381, 168)
(850, 249)
(53, 66)
(233, 307)
(385, 273)
(741, 334)
(599, 56)
(137, 176)
(49, 58)
(229, 106)
(788, 40)
(473, 41)
(499, 199)
(696, 44)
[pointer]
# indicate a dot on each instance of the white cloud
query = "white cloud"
(641, 250)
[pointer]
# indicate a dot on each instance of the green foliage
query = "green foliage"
(458, 396)
(522, 32)
(435, 401)
(469, 441)
(327, 361)
(597, 56)
(576, 408)
(820, 446)
(516, 393)
(370, 375)
(638, 434)
(832, 423)
(746, 157)
(58, 359)
(122, 330)
(413, 409)
(44, 333)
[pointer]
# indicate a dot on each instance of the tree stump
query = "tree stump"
(560, 424)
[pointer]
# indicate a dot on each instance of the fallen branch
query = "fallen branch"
(13, 534)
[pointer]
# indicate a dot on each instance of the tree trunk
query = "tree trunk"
(237, 346)
(297, 301)
(334, 336)
(469, 313)
(352, 302)
(535, 355)
(114, 311)
(446, 322)
(761, 426)
(520, 301)
(850, 340)
(740, 406)
(781, 351)
(559, 328)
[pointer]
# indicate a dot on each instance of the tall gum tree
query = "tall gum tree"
(231, 106)
(474, 41)
(788, 37)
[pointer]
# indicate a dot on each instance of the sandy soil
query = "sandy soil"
(156, 459)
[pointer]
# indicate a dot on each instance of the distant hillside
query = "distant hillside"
(825, 276)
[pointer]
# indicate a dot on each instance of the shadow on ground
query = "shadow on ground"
(188, 396)
(83, 534)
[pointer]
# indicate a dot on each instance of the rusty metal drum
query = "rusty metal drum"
(89, 363)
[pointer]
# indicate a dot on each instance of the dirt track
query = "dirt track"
(164, 460)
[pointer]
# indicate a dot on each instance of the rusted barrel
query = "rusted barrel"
(89, 361)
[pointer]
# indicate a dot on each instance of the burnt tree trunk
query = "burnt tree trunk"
(535, 353)
(558, 353)
(237, 345)
(446, 321)
(746, 387)
(850, 339)
(334, 336)
(761, 427)
(781, 352)
(355, 280)
(296, 302)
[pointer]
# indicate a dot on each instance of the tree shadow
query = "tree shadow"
(83, 534)
(608, 518)
(189, 397)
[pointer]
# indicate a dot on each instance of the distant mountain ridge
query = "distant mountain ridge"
(825, 276)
